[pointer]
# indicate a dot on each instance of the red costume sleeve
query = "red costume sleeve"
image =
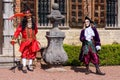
(17, 32)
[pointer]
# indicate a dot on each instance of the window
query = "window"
(44, 9)
(76, 13)
(62, 8)
(99, 12)
(95, 9)
(111, 13)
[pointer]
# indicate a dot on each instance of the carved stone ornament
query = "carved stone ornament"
(54, 54)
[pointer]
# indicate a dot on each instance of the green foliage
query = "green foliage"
(109, 55)
(73, 55)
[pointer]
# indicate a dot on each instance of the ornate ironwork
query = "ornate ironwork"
(111, 12)
(43, 11)
(62, 8)
(87, 14)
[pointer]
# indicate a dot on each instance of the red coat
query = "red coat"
(28, 41)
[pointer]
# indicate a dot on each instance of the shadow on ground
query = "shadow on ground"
(80, 69)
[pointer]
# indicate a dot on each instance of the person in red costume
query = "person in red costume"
(29, 45)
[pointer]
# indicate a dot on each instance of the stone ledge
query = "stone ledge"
(6, 59)
(112, 28)
(6, 64)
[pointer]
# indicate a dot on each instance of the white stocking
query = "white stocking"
(30, 62)
(24, 61)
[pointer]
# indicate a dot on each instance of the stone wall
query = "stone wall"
(109, 36)
(72, 36)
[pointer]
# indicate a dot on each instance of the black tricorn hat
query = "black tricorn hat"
(86, 17)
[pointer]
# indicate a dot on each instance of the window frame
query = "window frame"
(115, 24)
(65, 26)
(75, 19)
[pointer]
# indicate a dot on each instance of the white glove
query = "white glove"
(98, 47)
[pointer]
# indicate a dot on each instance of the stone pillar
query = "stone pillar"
(7, 32)
(1, 26)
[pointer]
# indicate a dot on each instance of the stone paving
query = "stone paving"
(70, 73)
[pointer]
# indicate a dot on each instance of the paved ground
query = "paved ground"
(72, 73)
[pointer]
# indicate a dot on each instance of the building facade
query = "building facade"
(105, 14)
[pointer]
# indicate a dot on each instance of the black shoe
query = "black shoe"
(24, 69)
(20, 67)
(88, 72)
(30, 68)
(99, 72)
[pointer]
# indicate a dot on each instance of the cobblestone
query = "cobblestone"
(72, 73)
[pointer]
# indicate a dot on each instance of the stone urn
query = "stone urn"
(55, 54)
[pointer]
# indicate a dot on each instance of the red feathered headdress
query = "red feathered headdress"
(26, 13)
(17, 15)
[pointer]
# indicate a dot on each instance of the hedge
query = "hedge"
(109, 55)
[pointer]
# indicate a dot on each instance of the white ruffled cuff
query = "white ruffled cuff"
(98, 47)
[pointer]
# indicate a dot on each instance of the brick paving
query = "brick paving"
(72, 73)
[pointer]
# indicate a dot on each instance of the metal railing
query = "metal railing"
(112, 14)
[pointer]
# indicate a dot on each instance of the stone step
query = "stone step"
(6, 59)
(6, 65)
(6, 62)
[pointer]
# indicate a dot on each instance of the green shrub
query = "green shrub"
(109, 55)
(73, 55)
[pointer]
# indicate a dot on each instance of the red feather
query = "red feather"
(17, 15)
